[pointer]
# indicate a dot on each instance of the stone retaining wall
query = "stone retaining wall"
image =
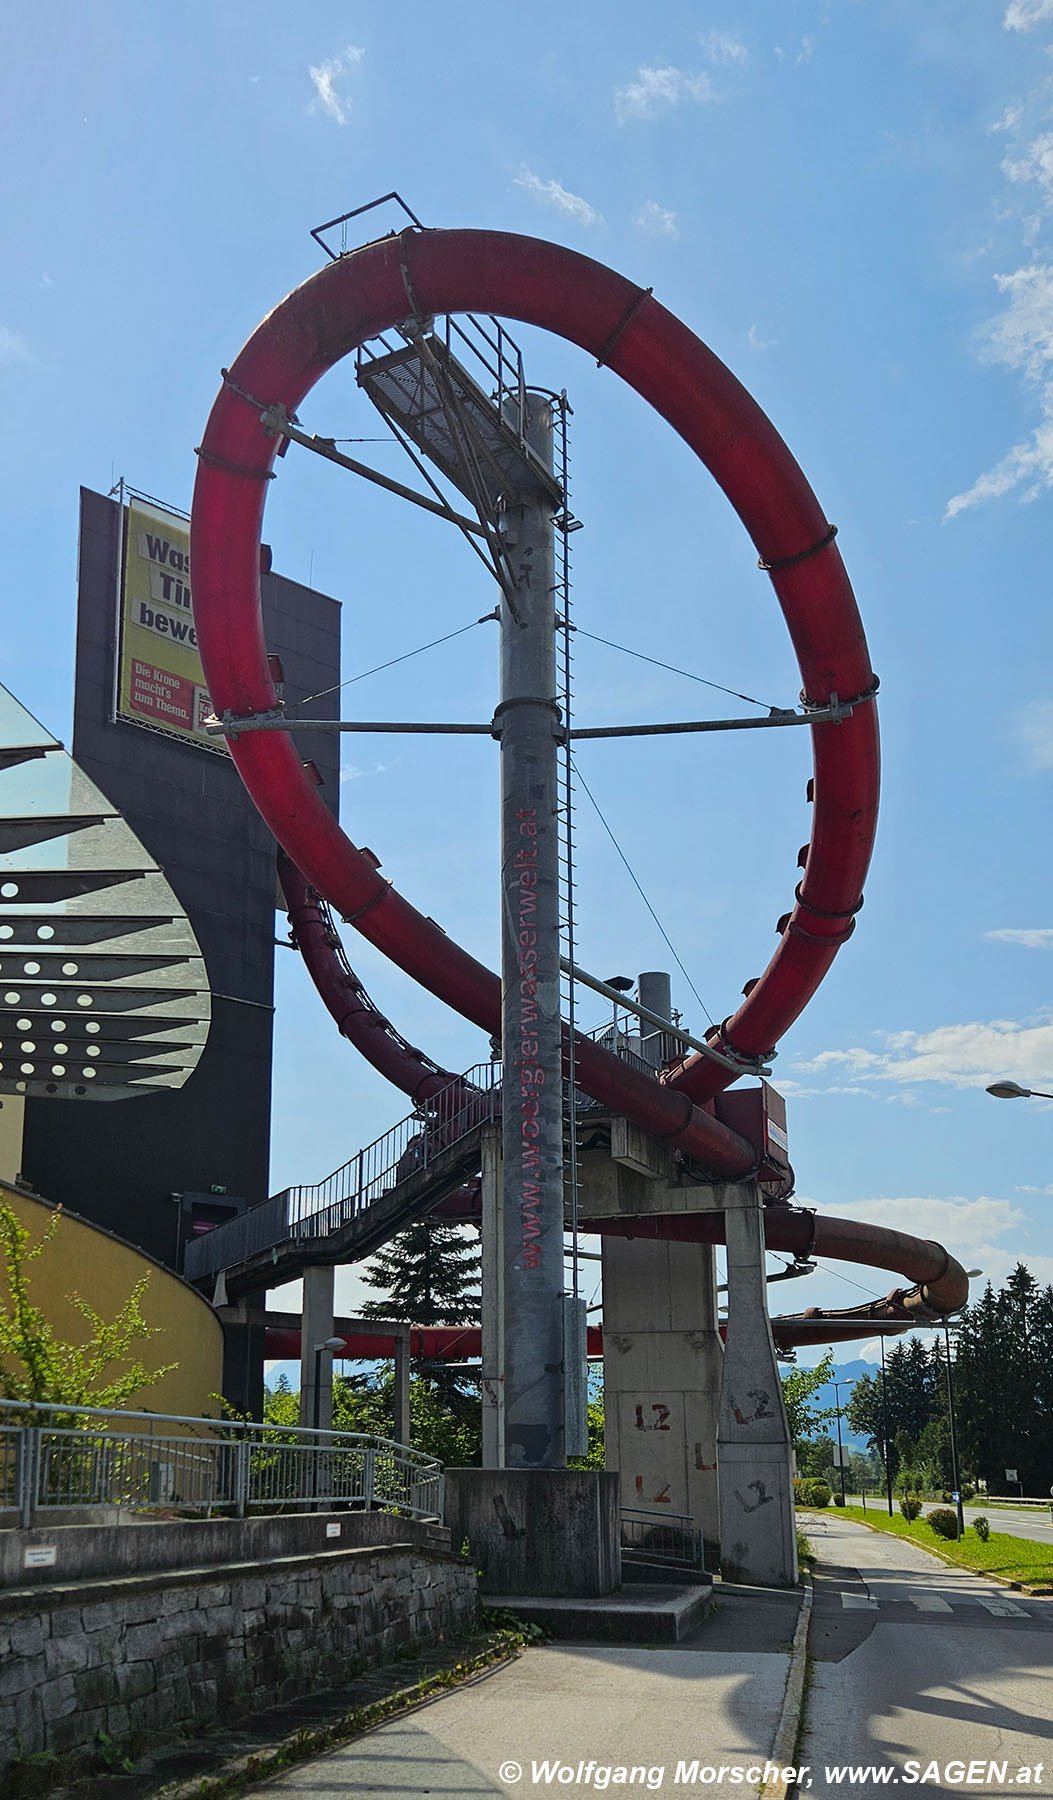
(142, 1657)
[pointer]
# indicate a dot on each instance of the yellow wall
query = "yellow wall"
(82, 1259)
(12, 1113)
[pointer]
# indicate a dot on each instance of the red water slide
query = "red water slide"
(413, 275)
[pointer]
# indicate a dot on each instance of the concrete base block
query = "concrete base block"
(538, 1531)
(640, 1615)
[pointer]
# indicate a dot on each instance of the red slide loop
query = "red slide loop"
(556, 289)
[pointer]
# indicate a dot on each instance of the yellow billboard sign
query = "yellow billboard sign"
(159, 676)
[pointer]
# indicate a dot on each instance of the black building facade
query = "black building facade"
(120, 1164)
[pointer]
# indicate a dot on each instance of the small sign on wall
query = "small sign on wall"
(332, 1528)
(40, 1556)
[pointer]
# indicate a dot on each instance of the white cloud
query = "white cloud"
(969, 1228)
(13, 348)
(1039, 939)
(1026, 1189)
(655, 90)
(1022, 339)
(757, 342)
(725, 47)
(1024, 15)
(657, 220)
(324, 80)
(552, 193)
(1034, 730)
(969, 1055)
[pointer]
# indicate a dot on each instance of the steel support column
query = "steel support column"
(532, 1125)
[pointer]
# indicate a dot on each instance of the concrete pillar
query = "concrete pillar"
(244, 1348)
(402, 1383)
(757, 1536)
(493, 1302)
(661, 1378)
(532, 1124)
(317, 1326)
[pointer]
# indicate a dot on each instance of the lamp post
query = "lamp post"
(1011, 1090)
(955, 1476)
(955, 1471)
(884, 1427)
(840, 1448)
(331, 1344)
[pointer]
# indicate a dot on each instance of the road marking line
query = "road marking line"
(858, 1603)
(930, 1603)
(1004, 1609)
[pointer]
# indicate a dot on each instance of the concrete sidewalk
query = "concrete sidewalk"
(712, 1701)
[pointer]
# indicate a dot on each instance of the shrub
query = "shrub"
(982, 1528)
(821, 1494)
(838, 1500)
(910, 1507)
(944, 1521)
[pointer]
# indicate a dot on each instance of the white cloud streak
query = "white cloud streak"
(725, 47)
(1024, 15)
(655, 90)
(1039, 939)
(13, 347)
(657, 221)
(1034, 731)
(325, 78)
(1022, 340)
(555, 195)
(969, 1055)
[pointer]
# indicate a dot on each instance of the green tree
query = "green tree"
(430, 1274)
(799, 1386)
(36, 1364)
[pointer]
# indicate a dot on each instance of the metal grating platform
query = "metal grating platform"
(426, 393)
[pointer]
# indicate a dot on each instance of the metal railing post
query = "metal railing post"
(369, 1471)
(27, 1460)
(242, 1454)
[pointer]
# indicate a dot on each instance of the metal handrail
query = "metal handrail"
(75, 1457)
(316, 1210)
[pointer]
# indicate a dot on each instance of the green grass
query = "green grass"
(1011, 1558)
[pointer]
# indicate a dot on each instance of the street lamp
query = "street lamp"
(331, 1344)
(1011, 1090)
(884, 1427)
(955, 1472)
(840, 1449)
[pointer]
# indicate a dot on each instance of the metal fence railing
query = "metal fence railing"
(303, 1213)
(672, 1539)
(55, 1457)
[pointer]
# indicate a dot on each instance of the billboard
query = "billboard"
(159, 677)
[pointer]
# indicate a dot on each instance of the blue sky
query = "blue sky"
(850, 202)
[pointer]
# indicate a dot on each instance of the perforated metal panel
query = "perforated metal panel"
(103, 991)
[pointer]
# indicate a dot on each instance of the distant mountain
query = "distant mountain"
(829, 1396)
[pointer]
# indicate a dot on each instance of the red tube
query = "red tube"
(553, 288)
(346, 999)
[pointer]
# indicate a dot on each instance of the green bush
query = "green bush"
(982, 1528)
(808, 1490)
(944, 1521)
(838, 1500)
(910, 1507)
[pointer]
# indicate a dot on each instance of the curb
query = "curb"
(788, 1729)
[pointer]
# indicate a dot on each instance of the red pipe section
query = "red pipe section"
(346, 1000)
(416, 274)
(463, 1343)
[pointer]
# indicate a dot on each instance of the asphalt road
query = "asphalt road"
(927, 1677)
